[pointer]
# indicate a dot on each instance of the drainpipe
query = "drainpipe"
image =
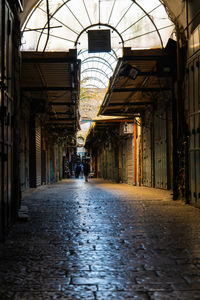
(153, 154)
(177, 116)
(2, 113)
(141, 152)
(187, 18)
(135, 152)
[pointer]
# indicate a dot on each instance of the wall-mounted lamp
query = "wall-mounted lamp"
(129, 71)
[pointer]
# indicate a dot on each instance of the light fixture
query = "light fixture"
(129, 71)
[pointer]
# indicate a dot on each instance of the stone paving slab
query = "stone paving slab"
(100, 240)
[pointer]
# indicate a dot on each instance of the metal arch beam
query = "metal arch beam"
(92, 59)
(48, 25)
(108, 71)
(92, 86)
(96, 70)
(64, 3)
(99, 24)
(96, 79)
(124, 14)
(111, 11)
(150, 21)
(148, 33)
(32, 12)
(50, 17)
(114, 55)
(140, 18)
(87, 12)
(73, 15)
(97, 62)
(57, 37)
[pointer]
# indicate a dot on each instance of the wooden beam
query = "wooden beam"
(47, 88)
(139, 89)
(130, 103)
(45, 60)
(62, 119)
(62, 103)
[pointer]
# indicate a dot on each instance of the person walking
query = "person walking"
(78, 170)
(86, 170)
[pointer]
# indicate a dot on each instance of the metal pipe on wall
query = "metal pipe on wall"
(178, 116)
(135, 152)
(187, 18)
(141, 152)
(2, 112)
(153, 152)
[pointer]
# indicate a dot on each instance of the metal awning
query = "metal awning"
(140, 76)
(104, 126)
(51, 80)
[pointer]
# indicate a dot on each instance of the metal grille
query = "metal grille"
(147, 157)
(7, 207)
(194, 129)
(130, 160)
(160, 144)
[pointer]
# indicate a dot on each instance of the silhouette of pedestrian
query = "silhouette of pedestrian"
(86, 170)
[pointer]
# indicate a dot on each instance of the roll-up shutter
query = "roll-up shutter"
(38, 152)
(130, 159)
(24, 150)
(43, 160)
(160, 148)
(8, 203)
(110, 164)
(147, 161)
(194, 128)
(35, 152)
(48, 164)
(124, 163)
(116, 164)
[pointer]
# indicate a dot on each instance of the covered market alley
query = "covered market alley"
(100, 240)
(113, 84)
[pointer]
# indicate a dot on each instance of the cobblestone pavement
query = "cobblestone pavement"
(102, 241)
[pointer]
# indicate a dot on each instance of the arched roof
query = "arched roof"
(60, 24)
(176, 10)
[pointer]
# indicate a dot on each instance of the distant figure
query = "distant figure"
(86, 170)
(77, 171)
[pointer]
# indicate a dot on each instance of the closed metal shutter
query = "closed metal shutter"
(110, 163)
(160, 148)
(116, 164)
(38, 152)
(7, 160)
(43, 162)
(124, 164)
(147, 157)
(8, 204)
(130, 160)
(48, 164)
(35, 152)
(51, 164)
(194, 129)
(24, 150)
(61, 162)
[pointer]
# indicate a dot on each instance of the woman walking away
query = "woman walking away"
(86, 170)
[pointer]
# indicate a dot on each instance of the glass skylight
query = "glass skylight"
(64, 23)
(60, 25)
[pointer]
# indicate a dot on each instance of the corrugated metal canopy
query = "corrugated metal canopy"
(103, 126)
(140, 76)
(52, 79)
